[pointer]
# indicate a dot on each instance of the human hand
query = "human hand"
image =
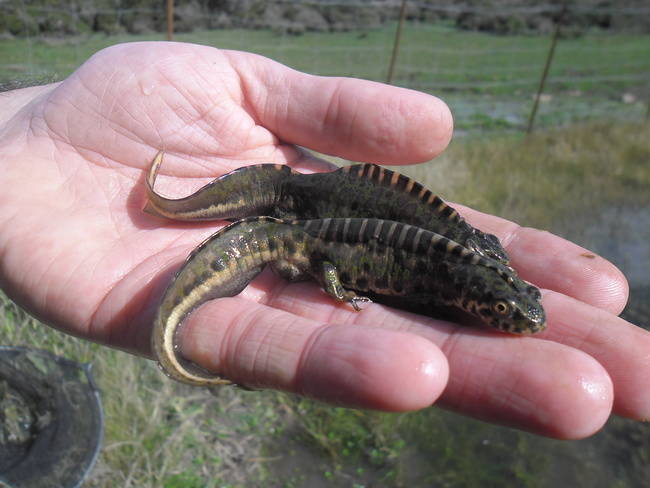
(79, 254)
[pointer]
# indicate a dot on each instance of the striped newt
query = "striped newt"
(344, 255)
(360, 190)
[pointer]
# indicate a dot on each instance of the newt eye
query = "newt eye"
(501, 307)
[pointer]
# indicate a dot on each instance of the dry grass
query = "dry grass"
(540, 179)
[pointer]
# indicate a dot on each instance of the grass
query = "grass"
(488, 80)
(539, 180)
(159, 433)
(432, 55)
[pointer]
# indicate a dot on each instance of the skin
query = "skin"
(78, 253)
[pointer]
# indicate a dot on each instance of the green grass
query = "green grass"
(488, 80)
(159, 433)
(429, 54)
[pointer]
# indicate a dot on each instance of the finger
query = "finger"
(557, 264)
(622, 348)
(523, 382)
(540, 386)
(554, 263)
(259, 346)
(355, 119)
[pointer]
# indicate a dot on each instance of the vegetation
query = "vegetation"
(159, 433)
(470, 57)
(489, 81)
(60, 18)
(550, 177)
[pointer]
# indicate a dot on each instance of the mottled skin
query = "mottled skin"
(344, 255)
(361, 190)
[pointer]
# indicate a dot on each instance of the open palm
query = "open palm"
(78, 252)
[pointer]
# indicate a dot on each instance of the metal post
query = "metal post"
(170, 20)
(398, 35)
(547, 66)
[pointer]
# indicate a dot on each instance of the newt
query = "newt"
(346, 256)
(360, 190)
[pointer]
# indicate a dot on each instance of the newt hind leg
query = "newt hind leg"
(328, 278)
(333, 286)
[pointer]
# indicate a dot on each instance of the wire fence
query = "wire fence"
(490, 80)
